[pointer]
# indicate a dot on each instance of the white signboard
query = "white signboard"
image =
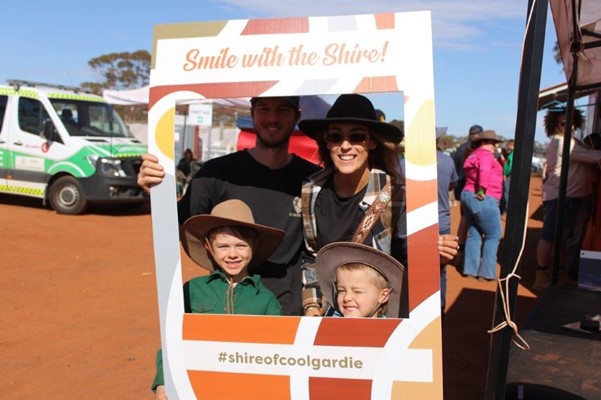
(200, 114)
(216, 357)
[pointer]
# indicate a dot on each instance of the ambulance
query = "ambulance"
(66, 147)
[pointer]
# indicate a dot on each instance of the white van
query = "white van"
(65, 146)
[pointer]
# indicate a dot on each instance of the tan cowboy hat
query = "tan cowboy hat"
(333, 255)
(228, 213)
(486, 135)
(352, 109)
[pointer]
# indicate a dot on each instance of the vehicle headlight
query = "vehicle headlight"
(107, 166)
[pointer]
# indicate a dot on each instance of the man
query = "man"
(267, 178)
(447, 180)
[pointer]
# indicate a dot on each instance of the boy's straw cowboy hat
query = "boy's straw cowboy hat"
(333, 255)
(228, 213)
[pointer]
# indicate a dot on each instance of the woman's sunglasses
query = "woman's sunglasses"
(353, 137)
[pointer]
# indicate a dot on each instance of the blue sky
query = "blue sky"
(477, 44)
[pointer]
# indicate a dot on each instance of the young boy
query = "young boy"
(359, 281)
(229, 244)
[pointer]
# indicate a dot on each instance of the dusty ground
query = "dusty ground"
(80, 317)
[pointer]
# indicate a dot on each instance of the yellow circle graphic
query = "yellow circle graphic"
(420, 143)
(164, 133)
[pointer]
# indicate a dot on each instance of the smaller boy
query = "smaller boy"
(228, 244)
(359, 281)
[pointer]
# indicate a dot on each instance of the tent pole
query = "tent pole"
(565, 158)
(529, 86)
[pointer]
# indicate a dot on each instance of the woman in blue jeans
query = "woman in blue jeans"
(481, 196)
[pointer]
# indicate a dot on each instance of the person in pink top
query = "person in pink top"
(481, 195)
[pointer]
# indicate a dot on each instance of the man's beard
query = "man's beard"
(273, 144)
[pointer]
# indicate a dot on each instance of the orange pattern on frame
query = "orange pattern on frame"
(426, 390)
(276, 25)
(210, 385)
(240, 328)
(384, 21)
(421, 193)
(351, 332)
(425, 268)
(212, 90)
(331, 389)
(377, 84)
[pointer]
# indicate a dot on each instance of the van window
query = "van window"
(32, 115)
(3, 101)
(90, 118)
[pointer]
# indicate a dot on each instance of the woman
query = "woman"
(555, 124)
(360, 168)
(481, 195)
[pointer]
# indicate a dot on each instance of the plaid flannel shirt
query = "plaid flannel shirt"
(382, 231)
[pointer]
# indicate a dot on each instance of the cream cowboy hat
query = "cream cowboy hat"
(228, 213)
(336, 254)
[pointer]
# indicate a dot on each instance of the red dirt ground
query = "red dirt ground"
(80, 318)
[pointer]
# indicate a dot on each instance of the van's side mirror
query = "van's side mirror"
(49, 131)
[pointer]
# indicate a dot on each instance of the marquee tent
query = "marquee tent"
(134, 97)
(578, 27)
(139, 97)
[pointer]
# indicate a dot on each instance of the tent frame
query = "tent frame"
(529, 86)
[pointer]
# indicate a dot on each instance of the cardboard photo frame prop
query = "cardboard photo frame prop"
(260, 357)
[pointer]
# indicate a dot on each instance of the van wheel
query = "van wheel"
(67, 197)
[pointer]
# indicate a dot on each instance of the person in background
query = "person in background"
(578, 192)
(228, 244)
(185, 170)
(583, 175)
(481, 196)
(447, 180)
(359, 281)
(555, 123)
(459, 157)
(507, 153)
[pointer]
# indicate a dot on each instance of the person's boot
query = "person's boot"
(542, 279)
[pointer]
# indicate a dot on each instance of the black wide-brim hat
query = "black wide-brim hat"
(352, 109)
(336, 254)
